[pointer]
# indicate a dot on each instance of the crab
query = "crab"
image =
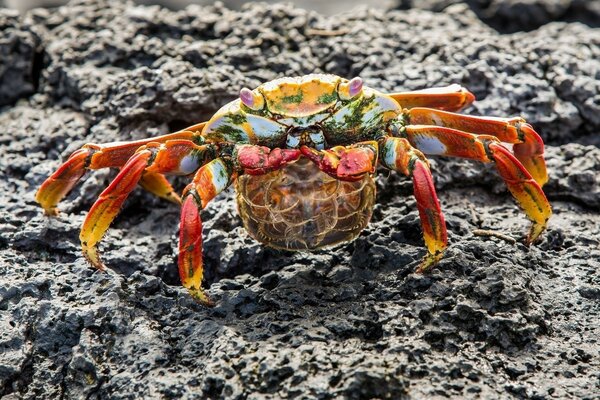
(302, 153)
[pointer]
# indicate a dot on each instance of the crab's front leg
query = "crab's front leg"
(209, 181)
(399, 155)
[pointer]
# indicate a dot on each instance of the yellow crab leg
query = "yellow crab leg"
(527, 192)
(158, 185)
(209, 181)
(528, 145)
(399, 155)
(175, 157)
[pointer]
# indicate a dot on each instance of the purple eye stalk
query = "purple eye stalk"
(351, 89)
(251, 100)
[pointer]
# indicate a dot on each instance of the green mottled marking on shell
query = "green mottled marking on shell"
(327, 98)
(236, 119)
(293, 99)
(231, 133)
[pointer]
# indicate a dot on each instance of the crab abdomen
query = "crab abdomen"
(301, 208)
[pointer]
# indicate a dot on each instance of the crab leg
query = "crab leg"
(451, 98)
(528, 145)
(93, 156)
(209, 181)
(158, 185)
(174, 156)
(399, 155)
(524, 188)
(348, 163)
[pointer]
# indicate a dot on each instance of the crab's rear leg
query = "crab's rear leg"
(173, 157)
(528, 145)
(451, 98)
(399, 155)
(524, 188)
(94, 156)
(158, 185)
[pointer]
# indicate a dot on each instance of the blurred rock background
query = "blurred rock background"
(502, 15)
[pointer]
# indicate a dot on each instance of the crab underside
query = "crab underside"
(302, 153)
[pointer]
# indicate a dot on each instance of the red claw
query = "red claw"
(258, 160)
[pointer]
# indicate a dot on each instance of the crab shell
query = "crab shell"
(329, 109)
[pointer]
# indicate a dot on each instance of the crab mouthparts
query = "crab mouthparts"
(311, 136)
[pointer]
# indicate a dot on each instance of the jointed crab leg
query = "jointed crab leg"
(528, 148)
(348, 163)
(209, 181)
(399, 155)
(92, 156)
(451, 142)
(451, 98)
(175, 157)
(158, 185)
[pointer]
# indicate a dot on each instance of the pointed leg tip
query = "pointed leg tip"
(429, 262)
(201, 297)
(534, 234)
(50, 209)
(51, 212)
(175, 199)
(92, 256)
(469, 98)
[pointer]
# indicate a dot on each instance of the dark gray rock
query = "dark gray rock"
(493, 320)
(519, 15)
(20, 60)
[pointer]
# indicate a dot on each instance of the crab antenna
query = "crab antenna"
(247, 97)
(355, 86)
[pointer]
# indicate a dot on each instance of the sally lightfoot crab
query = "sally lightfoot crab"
(302, 153)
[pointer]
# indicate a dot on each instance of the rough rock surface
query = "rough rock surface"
(519, 15)
(494, 320)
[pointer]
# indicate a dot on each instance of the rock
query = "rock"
(493, 320)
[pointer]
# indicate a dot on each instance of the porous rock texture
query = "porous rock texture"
(493, 320)
(518, 15)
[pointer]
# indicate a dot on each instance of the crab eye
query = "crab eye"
(252, 100)
(352, 88)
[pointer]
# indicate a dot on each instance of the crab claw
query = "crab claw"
(348, 163)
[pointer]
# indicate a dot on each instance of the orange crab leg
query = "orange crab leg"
(175, 156)
(158, 185)
(92, 156)
(348, 163)
(528, 148)
(524, 188)
(399, 155)
(209, 181)
(451, 98)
